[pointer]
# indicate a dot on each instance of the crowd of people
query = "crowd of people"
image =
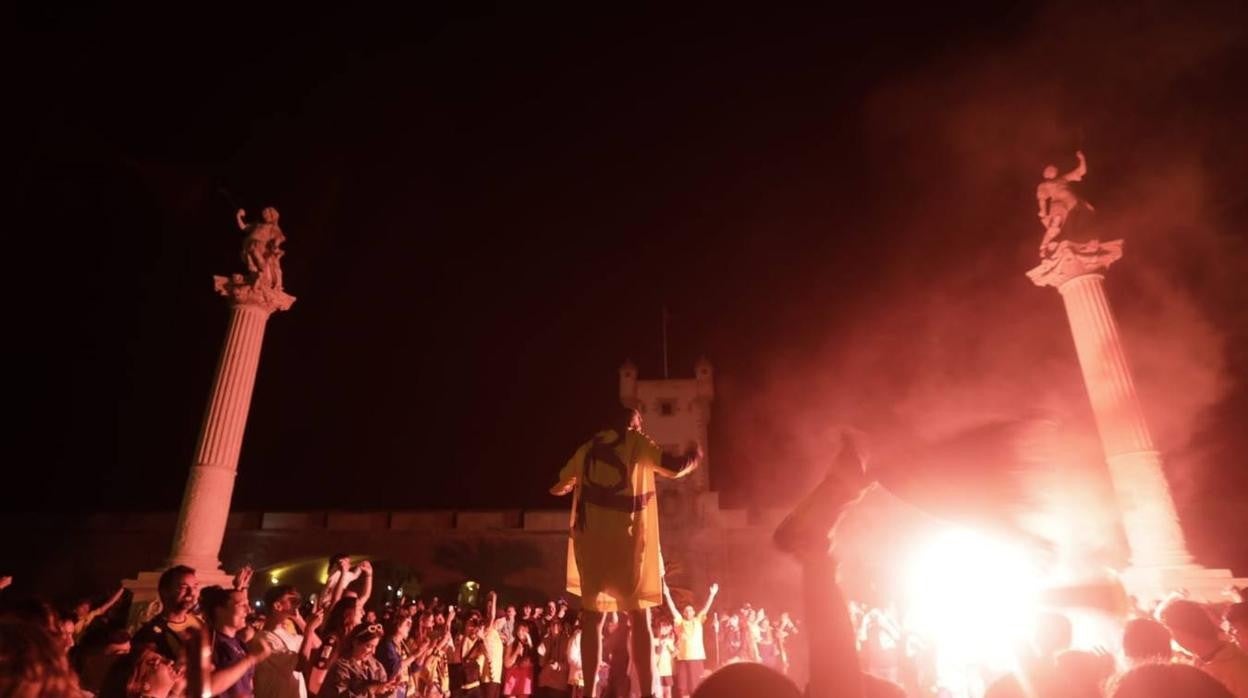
(341, 642)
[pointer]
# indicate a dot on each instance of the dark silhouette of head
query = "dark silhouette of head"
(747, 680)
(1190, 625)
(1082, 674)
(1144, 640)
(1167, 681)
(624, 419)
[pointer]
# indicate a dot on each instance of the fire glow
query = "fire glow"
(973, 597)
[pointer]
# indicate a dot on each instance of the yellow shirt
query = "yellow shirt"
(689, 645)
(614, 559)
(191, 622)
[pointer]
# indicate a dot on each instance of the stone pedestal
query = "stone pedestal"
(210, 485)
(1160, 561)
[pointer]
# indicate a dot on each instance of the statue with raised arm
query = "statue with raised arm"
(262, 248)
(1057, 201)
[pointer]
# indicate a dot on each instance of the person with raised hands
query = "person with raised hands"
(690, 646)
(284, 673)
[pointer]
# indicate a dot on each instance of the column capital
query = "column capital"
(1074, 259)
(240, 291)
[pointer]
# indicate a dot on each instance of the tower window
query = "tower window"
(667, 407)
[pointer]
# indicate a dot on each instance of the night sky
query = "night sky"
(487, 210)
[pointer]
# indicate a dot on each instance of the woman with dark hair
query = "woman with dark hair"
(344, 617)
(393, 647)
(434, 678)
(357, 673)
(395, 656)
(520, 662)
(552, 681)
(616, 659)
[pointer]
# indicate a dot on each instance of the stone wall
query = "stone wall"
(521, 553)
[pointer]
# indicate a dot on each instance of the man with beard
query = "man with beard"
(179, 593)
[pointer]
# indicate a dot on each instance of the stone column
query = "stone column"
(1159, 556)
(210, 485)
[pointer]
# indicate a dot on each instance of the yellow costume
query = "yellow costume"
(614, 560)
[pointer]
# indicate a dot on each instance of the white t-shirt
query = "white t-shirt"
(278, 675)
(493, 656)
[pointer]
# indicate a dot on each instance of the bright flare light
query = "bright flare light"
(974, 597)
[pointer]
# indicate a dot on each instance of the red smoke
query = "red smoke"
(948, 332)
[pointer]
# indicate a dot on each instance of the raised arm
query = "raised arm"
(570, 473)
(242, 579)
(310, 642)
(671, 605)
(112, 601)
(710, 599)
(491, 608)
(366, 571)
(514, 650)
(336, 585)
(679, 466)
(1080, 170)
